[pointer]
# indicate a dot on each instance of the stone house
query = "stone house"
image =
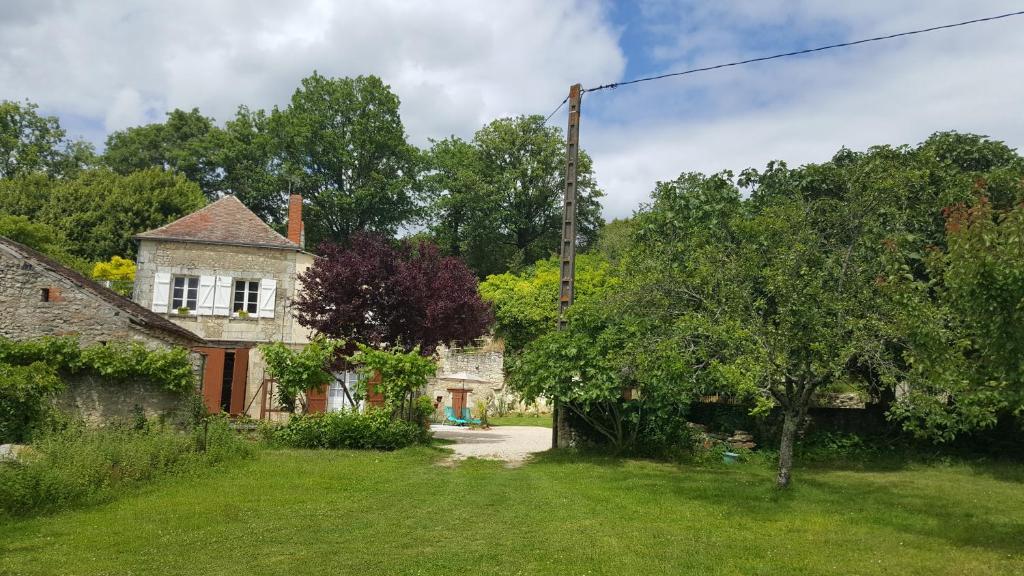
(224, 274)
(41, 297)
(467, 375)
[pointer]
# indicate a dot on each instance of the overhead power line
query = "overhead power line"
(555, 111)
(799, 52)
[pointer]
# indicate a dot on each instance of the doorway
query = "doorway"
(225, 375)
(458, 400)
(226, 381)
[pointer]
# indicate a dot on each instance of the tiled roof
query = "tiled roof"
(226, 221)
(140, 315)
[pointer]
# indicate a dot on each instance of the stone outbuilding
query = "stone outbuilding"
(224, 274)
(41, 297)
(466, 376)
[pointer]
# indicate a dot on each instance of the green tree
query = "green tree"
(184, 143)
(962, 321)
(344, 147)
(247, 153)
(299, 371)
(42, 237)
(100, 211)
(526, 304)
(615, 239)
(31, 144)
(498, 199)
(456, 183)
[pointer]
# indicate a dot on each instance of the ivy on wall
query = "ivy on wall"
(117, 362)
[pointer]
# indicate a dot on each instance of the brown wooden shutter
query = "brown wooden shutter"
(316, 400)
(373, 396)
(213, 378)
(239, 378)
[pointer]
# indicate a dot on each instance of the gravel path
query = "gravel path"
(513, 444)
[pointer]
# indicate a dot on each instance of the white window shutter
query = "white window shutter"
(204, 302)
(268, 296)
(222, 296)
(161, 291)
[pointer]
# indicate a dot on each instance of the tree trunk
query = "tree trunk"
(789, 425)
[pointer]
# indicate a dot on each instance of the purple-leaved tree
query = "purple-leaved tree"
(382, 292)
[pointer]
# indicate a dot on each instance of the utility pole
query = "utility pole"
(567, 271)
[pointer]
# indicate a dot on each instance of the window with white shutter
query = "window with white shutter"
(222, 296)
(185, 293)
(268, 297)
(161, 292)
(247, 295)
(204, 303)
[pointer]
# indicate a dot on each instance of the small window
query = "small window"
(247, 296)
(184, 292)
(44, 295)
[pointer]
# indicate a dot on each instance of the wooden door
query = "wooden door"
(373, 396)
(239, 379)
(213, 378)
(458, 400)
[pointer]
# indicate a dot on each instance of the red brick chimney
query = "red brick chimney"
(295, 229)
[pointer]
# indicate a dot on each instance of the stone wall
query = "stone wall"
(99, 401)
(479, 370)
(482, 363)
(237, 262)
(71, 310)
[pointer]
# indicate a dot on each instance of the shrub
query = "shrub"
(26, 398)
(837, 446)
(80, 465)
(423, 411)
(402, 375)
(373, 430)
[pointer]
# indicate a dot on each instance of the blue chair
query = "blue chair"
(468, 417)
(449, 416)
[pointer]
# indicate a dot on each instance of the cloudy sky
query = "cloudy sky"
(106, 64)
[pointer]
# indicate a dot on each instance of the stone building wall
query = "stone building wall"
(97, 401)
(237, 262)
(483, 366)
(71, 310)
(480, 362)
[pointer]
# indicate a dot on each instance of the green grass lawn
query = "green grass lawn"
(343, 512)
(520, 420)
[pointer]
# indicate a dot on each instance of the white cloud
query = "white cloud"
(804, 109)
(455, 65)
(458, 64)
(126, 110)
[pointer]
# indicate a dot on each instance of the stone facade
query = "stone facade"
(236, 262)
(39, 297)
(97, 401)
(230, 332)
(478, 370)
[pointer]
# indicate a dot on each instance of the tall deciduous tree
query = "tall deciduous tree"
(183, 143)
(343, 146)
(963, 322)
(98, 211)
(526, 304)
(31, 143)
(384, 293)
(498, 199)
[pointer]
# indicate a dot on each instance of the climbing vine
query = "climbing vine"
(116, 362)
